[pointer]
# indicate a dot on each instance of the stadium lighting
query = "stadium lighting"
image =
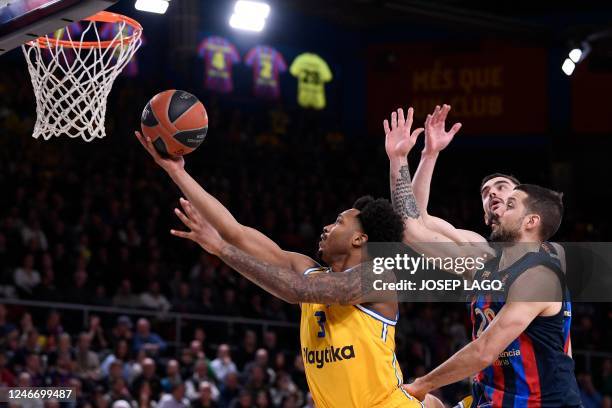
(253, 8)
(152, 6)
(575, 55)
(249, 15)
(568, 66)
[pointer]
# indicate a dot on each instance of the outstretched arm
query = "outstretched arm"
(417, 234)
(247, 239)
(512, 320)
(325, 288)
(436, 140)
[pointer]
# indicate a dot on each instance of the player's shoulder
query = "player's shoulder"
(301, 263)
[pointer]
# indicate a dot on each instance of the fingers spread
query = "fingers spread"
(455, 129)
(184, 219)
(400, 117)
(181, 234)
(386, 126)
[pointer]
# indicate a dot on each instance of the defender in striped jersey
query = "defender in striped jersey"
(520, 342)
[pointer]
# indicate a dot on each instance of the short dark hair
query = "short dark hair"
(494, 175)
(378, 219)
(547, 203)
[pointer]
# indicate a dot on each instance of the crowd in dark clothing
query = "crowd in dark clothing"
(88, 224)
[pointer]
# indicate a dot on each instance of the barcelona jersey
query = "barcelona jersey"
(534, 370)
(219, 57)
(349, 357)
(267, 64)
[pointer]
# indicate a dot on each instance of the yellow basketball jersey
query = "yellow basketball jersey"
(349, 357)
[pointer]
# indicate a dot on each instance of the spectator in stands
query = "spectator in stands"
(283, 389)
(153, 298)
(173, 375)
(146, 340)
(202, 373)
(122, 330)
(87, 362)
(25, 381)
(205, 397)
(246, 353)
(7, 378)
(262, 400)
(79, 292)
(47, 290)
(244, 400)
(149, 377)
(96, 333)
(256, 380)
(261, 361)
(26, 277)
(122, 354)
(34, 368)
(124, 296)
(61, 373)
(53, 326)
(5, 325)
(183, 303)
(223, 364)
(229, 390)
(606, 377)
(119, 392)
(176, 398)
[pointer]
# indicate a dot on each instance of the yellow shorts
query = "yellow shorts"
(401, 399)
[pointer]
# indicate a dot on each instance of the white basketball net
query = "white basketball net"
(72, 83)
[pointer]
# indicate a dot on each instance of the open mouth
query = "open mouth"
(495, 203)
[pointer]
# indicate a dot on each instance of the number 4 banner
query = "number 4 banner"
(219, 56)
(312, 73)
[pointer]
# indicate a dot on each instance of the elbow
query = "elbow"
(484, 355)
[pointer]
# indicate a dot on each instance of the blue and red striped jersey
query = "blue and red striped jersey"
(267, 65)
(534, 370)
(219, 56)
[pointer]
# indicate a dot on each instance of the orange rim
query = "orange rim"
(102, 17)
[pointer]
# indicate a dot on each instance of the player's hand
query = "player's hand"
(170, 163)
(200, 230)
(398, 139)
(436, 136)
(416, 389)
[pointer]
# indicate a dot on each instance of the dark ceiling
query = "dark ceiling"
(542, 21)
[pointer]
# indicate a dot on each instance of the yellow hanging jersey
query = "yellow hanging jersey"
(312, 73)
(349, 357)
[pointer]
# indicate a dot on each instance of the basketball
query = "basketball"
(176, 121)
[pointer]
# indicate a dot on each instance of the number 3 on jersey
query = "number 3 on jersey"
(321, 321)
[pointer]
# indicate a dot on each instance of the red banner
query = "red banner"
(591, 113)
(492, 88)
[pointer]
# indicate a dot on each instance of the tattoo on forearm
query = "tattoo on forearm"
(402, 196)
(292, 286)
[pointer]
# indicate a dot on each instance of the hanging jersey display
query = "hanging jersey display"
(312, 73)
(219, 57)
(267, 64)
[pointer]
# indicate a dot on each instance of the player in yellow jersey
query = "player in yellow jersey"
(347, 345)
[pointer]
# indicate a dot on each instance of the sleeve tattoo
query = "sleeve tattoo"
(402, 196)
(294, 287)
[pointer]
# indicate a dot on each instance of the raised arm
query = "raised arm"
(245, 238)
(436, 140)
(325, 288)
(417, 234)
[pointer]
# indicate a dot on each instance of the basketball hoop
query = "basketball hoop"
(72, 77)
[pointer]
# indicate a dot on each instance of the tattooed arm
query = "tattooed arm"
(325, 288)
(417, 234)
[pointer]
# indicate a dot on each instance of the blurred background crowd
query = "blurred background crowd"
(88, 224)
